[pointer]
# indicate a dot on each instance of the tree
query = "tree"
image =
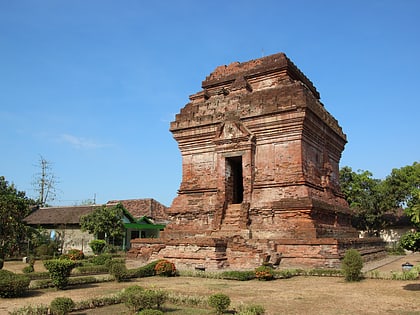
(367, 197)
(45, 183)
(411, 241)
(104, 220)
(14, 206)
(403, 185)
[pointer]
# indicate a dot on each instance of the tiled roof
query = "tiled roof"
(59, 215)
(143, 207)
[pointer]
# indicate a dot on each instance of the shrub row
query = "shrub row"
(118, 269)
(238, 275)
(13, 285)
(90, 270)
(47, 283)
(137, 298)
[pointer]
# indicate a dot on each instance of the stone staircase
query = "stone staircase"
(232, 216)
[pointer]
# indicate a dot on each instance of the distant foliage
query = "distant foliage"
(46, 250)
(12, 285)
(97, 246)
(411, 241)
(352, 265)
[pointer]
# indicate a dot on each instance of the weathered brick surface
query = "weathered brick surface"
(260, 171)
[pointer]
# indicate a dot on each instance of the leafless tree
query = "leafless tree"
(45, 183)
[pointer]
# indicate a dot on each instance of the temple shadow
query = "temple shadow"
(412, 287)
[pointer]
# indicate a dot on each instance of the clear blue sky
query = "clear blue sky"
(93, 85)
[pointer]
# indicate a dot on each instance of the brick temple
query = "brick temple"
(260, 175)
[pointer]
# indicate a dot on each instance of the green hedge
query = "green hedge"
(219, 301)
(89, 270)
(12, 285)
(61, 306)
(238, 275)
(59, 270)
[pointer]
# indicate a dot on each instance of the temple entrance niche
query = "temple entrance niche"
(234, 190)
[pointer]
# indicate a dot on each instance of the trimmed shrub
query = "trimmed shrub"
(219, 301)
(98, 302)
(287, 273)
(97, 246)
(118, 270)
(97, 269)
(150, 312)
(352, 265)
(264, 273)
(238, 275)
(159, 297)
(12, 285)
(251, 310)
(189, 300)
(165, 268)
(59, 270)
(38, 275)
(28, 269)
(31, 310)
(136, 298)
(325, 272)
(61, 306)
(145, 271)
(101, 259)
(114, 261)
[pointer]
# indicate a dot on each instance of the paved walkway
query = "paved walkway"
(392, 263)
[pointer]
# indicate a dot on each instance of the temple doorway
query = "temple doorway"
(234, 180)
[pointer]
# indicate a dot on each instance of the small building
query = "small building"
(63, 223)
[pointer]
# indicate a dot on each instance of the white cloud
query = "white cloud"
(81, 143)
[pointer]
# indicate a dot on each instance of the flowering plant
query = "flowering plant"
(264, 273)
(165, 268)
(74, 254)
